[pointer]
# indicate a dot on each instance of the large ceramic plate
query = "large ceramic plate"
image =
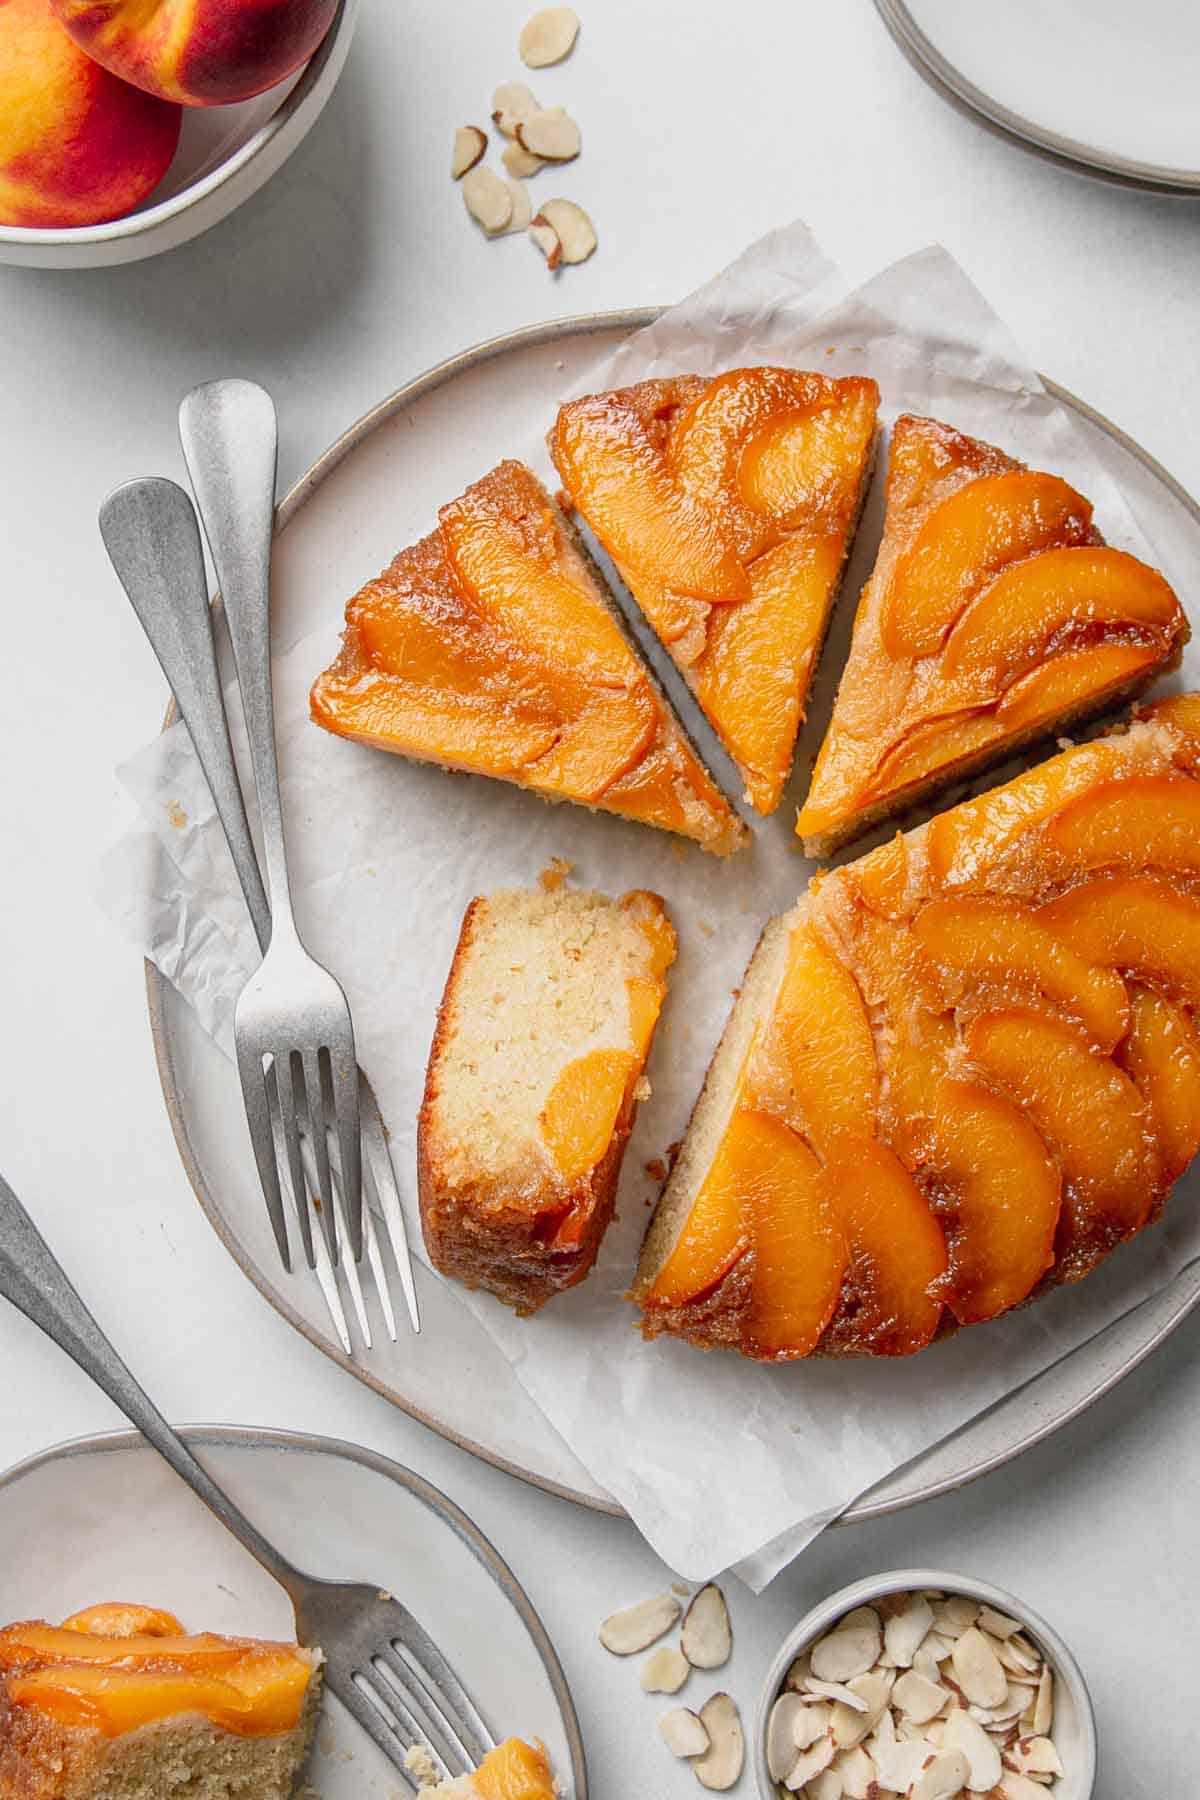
(104, 1518)
(1094, 85)
(433, 437)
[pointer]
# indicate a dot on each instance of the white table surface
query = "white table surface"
(353, 270)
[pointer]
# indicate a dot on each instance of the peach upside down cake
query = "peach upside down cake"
(959, 1072)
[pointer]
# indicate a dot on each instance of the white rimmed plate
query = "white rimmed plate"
(225, 154)
(104, 1518)
(428, 440)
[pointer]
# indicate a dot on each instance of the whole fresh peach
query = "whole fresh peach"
(77, 146)
(199, 52)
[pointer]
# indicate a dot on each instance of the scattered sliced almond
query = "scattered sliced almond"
(857, 1772)
(571, 225)
(983, 1758)
(512, 102)
(684, 1732)
(917, 1698)
(637, 1627)
(782, 1742)
(470, 143)
(548, 36)
(707, 1636)
(978, 1670)
(664, 1671)
(519, 163)
(942, 1778)
(905, 1631)
(721, 1765)
(809, 1763)
(488, 200)
(553, 136)
(522, 208)
(548, 242)
(845, 1652)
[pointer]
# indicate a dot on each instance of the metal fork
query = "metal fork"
(150, 531)
(379, 1660)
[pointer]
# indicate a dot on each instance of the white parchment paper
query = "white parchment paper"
(719, 1462)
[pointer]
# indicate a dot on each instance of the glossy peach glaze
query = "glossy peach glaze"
(727, 506)
(994, 610)
(485, 648)
(114, 1668)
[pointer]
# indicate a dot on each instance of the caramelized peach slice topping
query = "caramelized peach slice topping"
(1162, 1055)
(647, 912)
(966, 540)
(79, 1694)
(897, 1251)
(1134, 923)
(461, 733)
(1048, 600)
(975, 943)
(582, 1108)
(819, 1042)
(1091, 1116)
(1182, 713)
(665, 542)
(1146, 821)
(930, 745)
(36, 1642)
(1047, 693)
(668, 788)
(808, 462)
(799, 1251)
(514, 1771)
(755, 671)
(716, 1232)
(118, 1618)
(880, 879)
(1000, 1194)
(608, 737)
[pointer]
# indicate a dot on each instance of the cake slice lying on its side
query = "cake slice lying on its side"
(960, 1071)
(493, 647)
(995, 615)
(729, 506)
(118, 1703)
(514, 1770)
(533, 1083)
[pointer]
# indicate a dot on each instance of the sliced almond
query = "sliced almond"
(1043, 1706)
(799, 1672)
(857, 1772)
(917, 1698)
(522, 208)
(684, 1732)
(470, 143)
(900, 1763)
(978, 1670)
(554, 136)
(707, 1636)
(519, 163)
(637, 1627)
(664, 1671)
(942, 1778)
(574, 229)
(996, 1624)
(815, 1721)
(961, 1609)
(488, 200)
(925, 1663)
(721, 1764)
(512, 102)
(850, 1725)
(905, 1631)
(548, 36)
(1018, 1656)
(809, 1764)
(1035, 1756)
(1019, 1787)
(983, 1758)
(825, 1786)
(782, 1742)
(547, 241)
(837, 1690)
(844, 1653)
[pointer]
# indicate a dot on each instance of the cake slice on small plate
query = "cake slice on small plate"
(729, 506)
(995, 615)
(493, 647)
(959, 1072)
(533, 1084)
(119, 1703)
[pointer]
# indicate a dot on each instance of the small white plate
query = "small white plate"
(1092, 84)
(225, 154)
(104, 1518)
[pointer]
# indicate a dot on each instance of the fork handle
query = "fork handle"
(36, 1283)
(230, 440)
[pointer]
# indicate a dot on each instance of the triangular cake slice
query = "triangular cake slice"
(491, 646)
(959, 1072)
(728, 506)
(995, 615)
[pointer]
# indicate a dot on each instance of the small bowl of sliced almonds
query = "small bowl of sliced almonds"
(930, 1685)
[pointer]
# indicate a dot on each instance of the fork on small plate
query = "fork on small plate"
(379, 1660)
(293, 1033)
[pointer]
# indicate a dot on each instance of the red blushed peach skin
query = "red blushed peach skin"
(199, 52)
(77, 146)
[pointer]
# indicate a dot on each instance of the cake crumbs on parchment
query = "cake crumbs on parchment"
(679, 849)
(176, 815)
(554, 874)
(656, 1168)
(708, 929)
